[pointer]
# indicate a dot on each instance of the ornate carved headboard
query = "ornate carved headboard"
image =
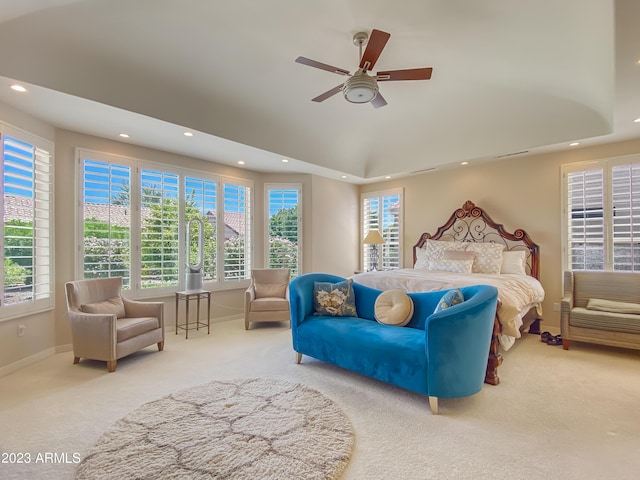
(473, 224)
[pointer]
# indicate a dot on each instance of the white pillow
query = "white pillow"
(488, 257)
(435, 248)
(421, 259)
(514, 262)
(455, 266)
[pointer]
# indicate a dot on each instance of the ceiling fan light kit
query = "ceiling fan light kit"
(359, 86)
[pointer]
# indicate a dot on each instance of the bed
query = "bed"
(470, 248)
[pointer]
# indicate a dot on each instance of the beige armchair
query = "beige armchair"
(106, 326)
(267, 298)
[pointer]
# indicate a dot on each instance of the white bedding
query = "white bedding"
(517, 293)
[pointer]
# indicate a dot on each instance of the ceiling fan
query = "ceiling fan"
(361, 87)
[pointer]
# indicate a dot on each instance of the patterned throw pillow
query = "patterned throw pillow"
(435, 249)
(488, 257)
(335, 299)
(449, 299)
(455, 266)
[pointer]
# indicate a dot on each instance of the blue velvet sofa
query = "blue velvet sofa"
(442, 355)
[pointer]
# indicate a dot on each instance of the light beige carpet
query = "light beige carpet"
(556, 415)
(243, 429)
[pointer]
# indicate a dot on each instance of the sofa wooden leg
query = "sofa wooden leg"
(76, 360)
(565, 343)
(433, 403)
(161, 346)
(298, 358)
(111, 365)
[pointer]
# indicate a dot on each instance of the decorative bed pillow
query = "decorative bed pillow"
(335, 299)
(421, 259)
(112, 306)
(449, 299)
(435, 249)
(613, 306)
(393, 307)
(488, 257)
(458, 255)
(514, 262)
(455, 266)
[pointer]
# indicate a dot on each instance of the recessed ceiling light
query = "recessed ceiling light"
(388, 177)
(188, 134)
(240, 162)
(464, 163)
(124, 135)
(284, 160)
(637, 120)
(343, 176)
(574, 144)
(18, 88)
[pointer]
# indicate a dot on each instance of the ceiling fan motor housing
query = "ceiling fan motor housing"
(360, 88)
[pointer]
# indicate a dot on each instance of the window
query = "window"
(106, 219)
(382, 211)
(201, 202)
(134, 220)
(159, 234)
(237, 236)
(26, 186)
(601, 218)
(283, 227)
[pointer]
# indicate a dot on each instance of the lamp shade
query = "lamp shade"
(373, 238)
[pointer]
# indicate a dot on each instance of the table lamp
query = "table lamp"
(374, 239)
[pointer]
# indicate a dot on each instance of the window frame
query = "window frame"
(135, 267)
(268, 187)
(46, 180)
(606, 165)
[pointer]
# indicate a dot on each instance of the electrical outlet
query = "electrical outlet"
(556, 307)
(21, 330)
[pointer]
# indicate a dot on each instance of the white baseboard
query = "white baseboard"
(36, 357)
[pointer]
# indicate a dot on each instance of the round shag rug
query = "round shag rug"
(232, 429)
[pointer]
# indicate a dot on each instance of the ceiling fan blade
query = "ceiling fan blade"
(378, 101)
(321, 66)
(330, 93)
(375, 45)
(410, 74)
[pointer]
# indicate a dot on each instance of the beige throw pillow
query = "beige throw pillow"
(112, 306)
(270, 290)
(393, 307)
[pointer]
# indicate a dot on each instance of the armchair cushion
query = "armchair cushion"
(132, 327)
(271, 290)
(113, 305)
(269, 304)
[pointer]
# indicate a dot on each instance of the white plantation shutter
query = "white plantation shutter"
(283, 227)
(26, 223)
(237, 225)
(106, 215)
(602, 218)
(382, 211)
(586, 219)
(625, 183)
(201, 201)
(159, 239)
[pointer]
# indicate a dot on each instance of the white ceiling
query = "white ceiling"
(508, 77)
